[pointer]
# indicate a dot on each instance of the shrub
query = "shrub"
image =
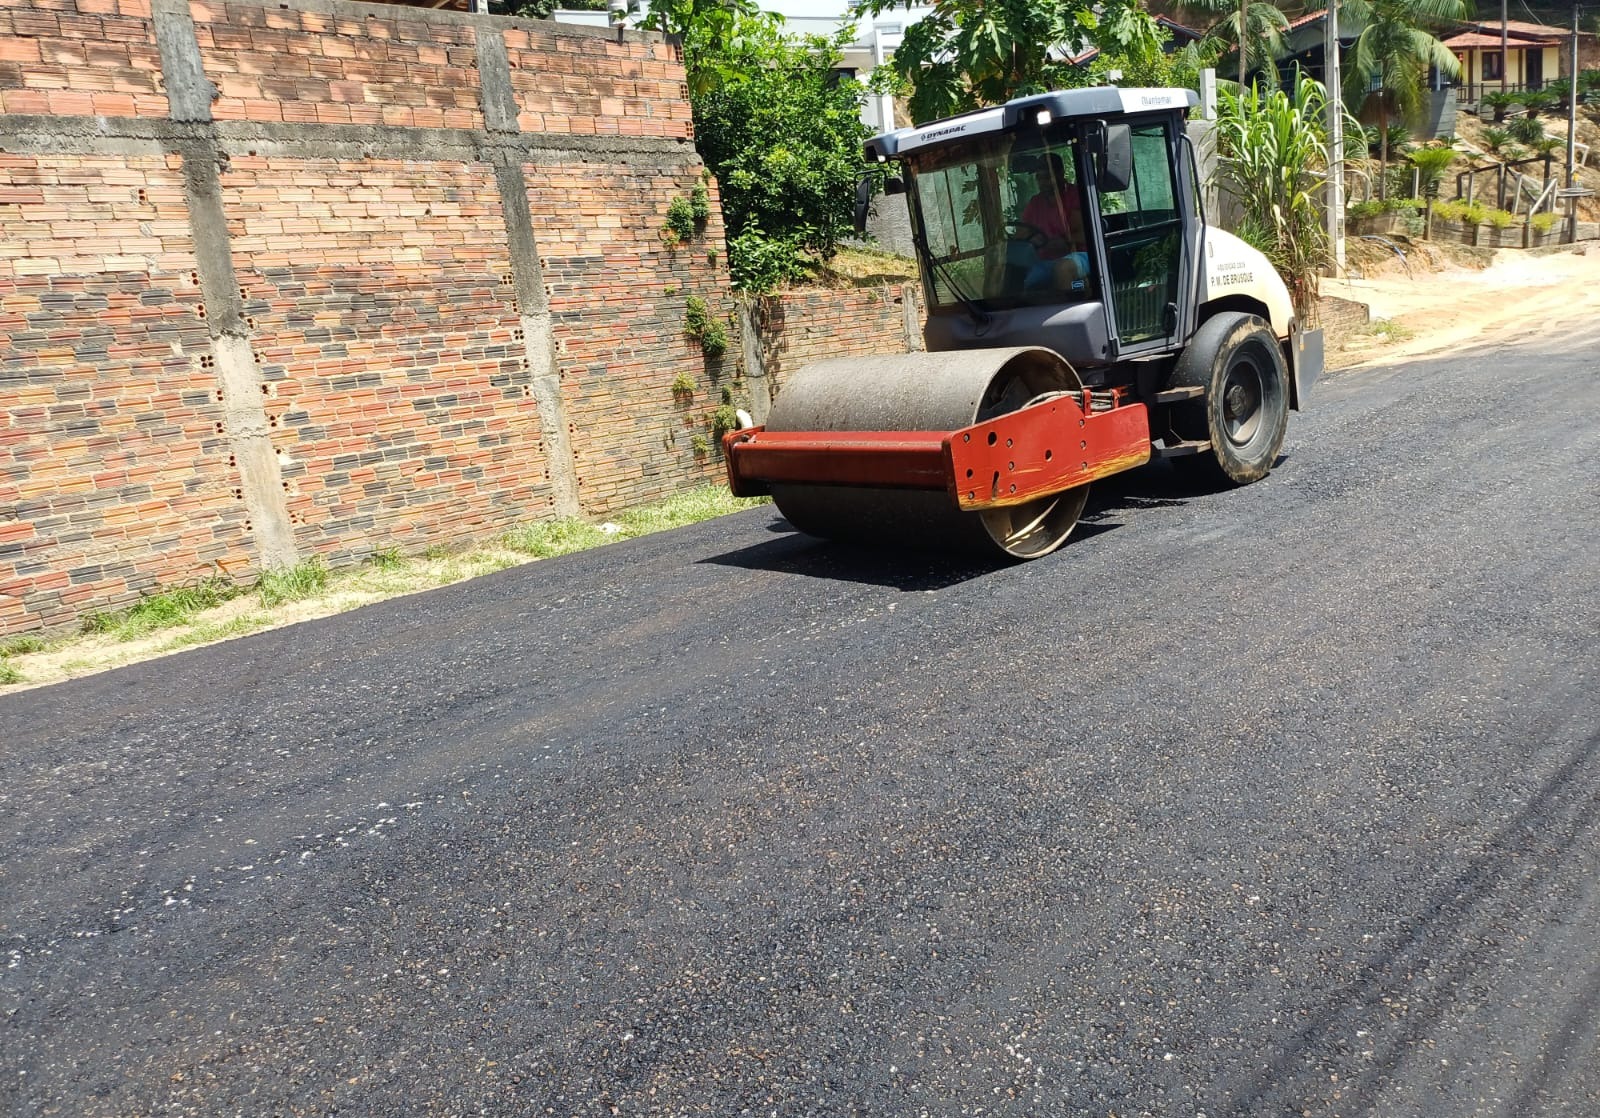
(1431, 163)
(1370, 208)
(1495, 138)
(1500, 103)
(1500, 219)
(1544, 222)
(1449, 210)
(1527, 129)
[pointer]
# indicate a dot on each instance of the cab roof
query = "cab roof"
(1101, 101)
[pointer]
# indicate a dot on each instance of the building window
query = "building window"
(1493, 67)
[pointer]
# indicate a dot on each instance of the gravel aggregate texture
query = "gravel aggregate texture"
(1269, 801)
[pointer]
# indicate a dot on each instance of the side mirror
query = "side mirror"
(893, 184)
(863, 203)
(1116, 159)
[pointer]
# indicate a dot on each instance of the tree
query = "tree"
(968, 54)
(1265, 31)
(782, 131)
(1388, 63)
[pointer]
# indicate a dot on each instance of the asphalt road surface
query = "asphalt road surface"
(1274, 801)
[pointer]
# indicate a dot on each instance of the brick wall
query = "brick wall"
(387, 286)
(112, 459)
(811, 325)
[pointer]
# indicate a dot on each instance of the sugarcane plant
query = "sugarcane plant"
(1273, 158)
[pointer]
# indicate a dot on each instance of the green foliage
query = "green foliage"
(1273, 151)
(17, 646)
(1544, 222)
(1526, 130)
(1495, 138)
(782, 133)
(551, 538)
(704, 327)
(683, 385)
(1500, 219)
(1540, 101)
(760, 264)
(386, 559)
(1387, 65)
(1501, 104)
(292, 584)
(680, 222)
(21, 646)
(963, 55)
(163, 610)
(1548, 145)
(1431, 163)
(1266, 28)
(687, 217)
(700, 445)
(723, 420)
(1372, 207)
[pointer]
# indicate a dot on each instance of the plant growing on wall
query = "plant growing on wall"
(704, 327)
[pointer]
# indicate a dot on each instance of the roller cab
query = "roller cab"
(1081, 320)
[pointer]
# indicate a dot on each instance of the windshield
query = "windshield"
(1003, 222)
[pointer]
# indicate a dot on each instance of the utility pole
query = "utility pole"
(1505, 56)
(1572, 135)
(1333, 197)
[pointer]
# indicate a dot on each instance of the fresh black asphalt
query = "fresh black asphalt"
(1272, 801)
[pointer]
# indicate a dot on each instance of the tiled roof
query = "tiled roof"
(1473, 40)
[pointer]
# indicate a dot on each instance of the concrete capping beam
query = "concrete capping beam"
(755, 364)
(363, 11)
(909, 293)
(88, 135)
(183, 74)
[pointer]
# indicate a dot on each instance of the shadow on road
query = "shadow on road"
(1151, 487)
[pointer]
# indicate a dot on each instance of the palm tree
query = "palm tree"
(1389, 60)
(1264, 39)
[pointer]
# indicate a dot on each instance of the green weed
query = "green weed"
(21, 646)
(387, 559)
(292, 584)
(165, 610)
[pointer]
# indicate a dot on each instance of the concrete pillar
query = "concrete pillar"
(189, 96)
(533, 304)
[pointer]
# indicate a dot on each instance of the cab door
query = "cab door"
(1146, 237)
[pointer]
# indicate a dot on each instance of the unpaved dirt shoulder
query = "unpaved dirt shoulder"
(1518, 295)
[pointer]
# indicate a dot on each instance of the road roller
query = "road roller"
(1082, 319)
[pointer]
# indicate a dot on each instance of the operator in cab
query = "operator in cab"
(1052, 227)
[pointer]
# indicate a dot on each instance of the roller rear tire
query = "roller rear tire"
(1244, 413)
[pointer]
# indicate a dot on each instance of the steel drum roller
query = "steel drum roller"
(922, 392)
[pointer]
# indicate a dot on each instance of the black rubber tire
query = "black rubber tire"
(1245, 411)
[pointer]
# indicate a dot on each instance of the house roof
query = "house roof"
(1474, 40)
